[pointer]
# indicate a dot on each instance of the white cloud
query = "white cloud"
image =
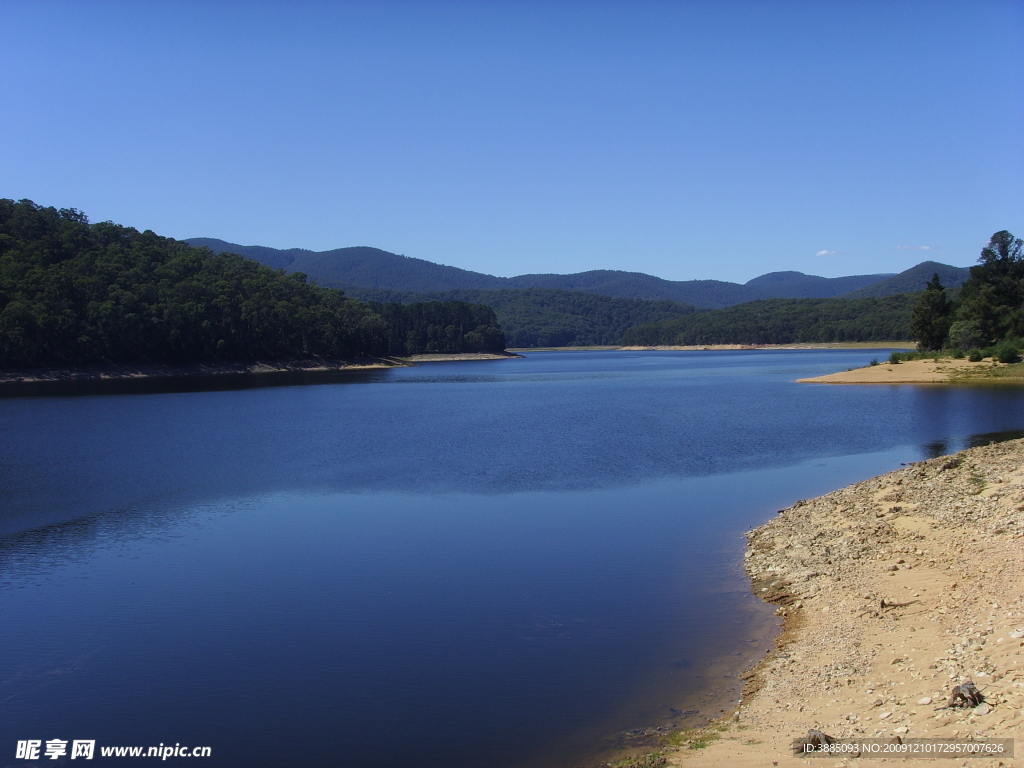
(917, 247)
(827, 253)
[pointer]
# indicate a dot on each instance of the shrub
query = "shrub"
(1007, 353)
(958, 354)
(975, 356)
(965, 334)
(874, 361)
(895, 358)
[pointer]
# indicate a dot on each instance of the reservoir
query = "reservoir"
(518, 563)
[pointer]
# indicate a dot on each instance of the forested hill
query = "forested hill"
(537, 317)
(913, 280)
(785, 321)
(74, 293)
(364, 266)
(373, 268)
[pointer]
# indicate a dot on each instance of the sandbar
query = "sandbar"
(927, 371)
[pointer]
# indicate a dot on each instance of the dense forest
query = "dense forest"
(372, 268)
(535, 317)
(75, 293)
(785, 321)
(987, 311)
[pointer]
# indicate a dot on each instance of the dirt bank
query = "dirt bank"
(892, 591)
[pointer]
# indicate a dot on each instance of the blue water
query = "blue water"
(508, 563)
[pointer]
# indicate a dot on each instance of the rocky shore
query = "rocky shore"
(892, 591)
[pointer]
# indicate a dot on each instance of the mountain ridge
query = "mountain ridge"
(374, 268)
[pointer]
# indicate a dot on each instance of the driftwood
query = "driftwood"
(964, 695)
(814, 739)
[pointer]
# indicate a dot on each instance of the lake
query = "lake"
(515, 563)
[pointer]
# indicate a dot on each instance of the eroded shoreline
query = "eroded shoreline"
(892, 590)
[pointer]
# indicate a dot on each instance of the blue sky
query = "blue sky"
(687, 140)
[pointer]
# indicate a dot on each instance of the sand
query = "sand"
(941, 542)
(459, 357)
(880, 345)
(911, 372)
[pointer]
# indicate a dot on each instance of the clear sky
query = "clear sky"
(688, 140)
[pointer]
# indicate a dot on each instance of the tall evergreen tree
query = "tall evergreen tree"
(930, 318)
(993, 297)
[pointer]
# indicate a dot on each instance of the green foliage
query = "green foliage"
(874, 362)
(975, 356)
(1007, 352)
(993, 298)
(435, 326)
(958, 354)
(930, 318)
(785, 321)
(74, 293)
(535, 317)
(964, 335)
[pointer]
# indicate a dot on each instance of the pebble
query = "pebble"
(982, 709)
(901, 729)
(1017, 635)
(885, 715)
(925, 700)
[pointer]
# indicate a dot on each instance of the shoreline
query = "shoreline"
(156, 371)
(891, 591)
(725, 347)
(944, 370)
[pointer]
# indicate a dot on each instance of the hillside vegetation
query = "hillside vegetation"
(535, 317)
(785, 321)
(74, 293)
(913, 280)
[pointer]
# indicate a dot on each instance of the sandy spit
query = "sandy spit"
(716, 347)
(891, 591)
(459, 357)
(911, 372)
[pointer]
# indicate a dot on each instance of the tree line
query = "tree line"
(548, 317)
(784, 321)
(75, 293)
(988, 310)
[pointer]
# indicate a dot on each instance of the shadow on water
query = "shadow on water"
(161, 385)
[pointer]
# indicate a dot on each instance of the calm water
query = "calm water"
(506, 563)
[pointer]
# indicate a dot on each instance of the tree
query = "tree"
(993, 297)
(930, 318)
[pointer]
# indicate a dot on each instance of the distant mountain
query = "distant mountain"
(369, 267)
(913, 279)
(373, 268)
(797, 285)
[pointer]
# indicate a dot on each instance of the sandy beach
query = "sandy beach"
(911, 372)
(458, 357)
(892, 591)
(728, 347)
